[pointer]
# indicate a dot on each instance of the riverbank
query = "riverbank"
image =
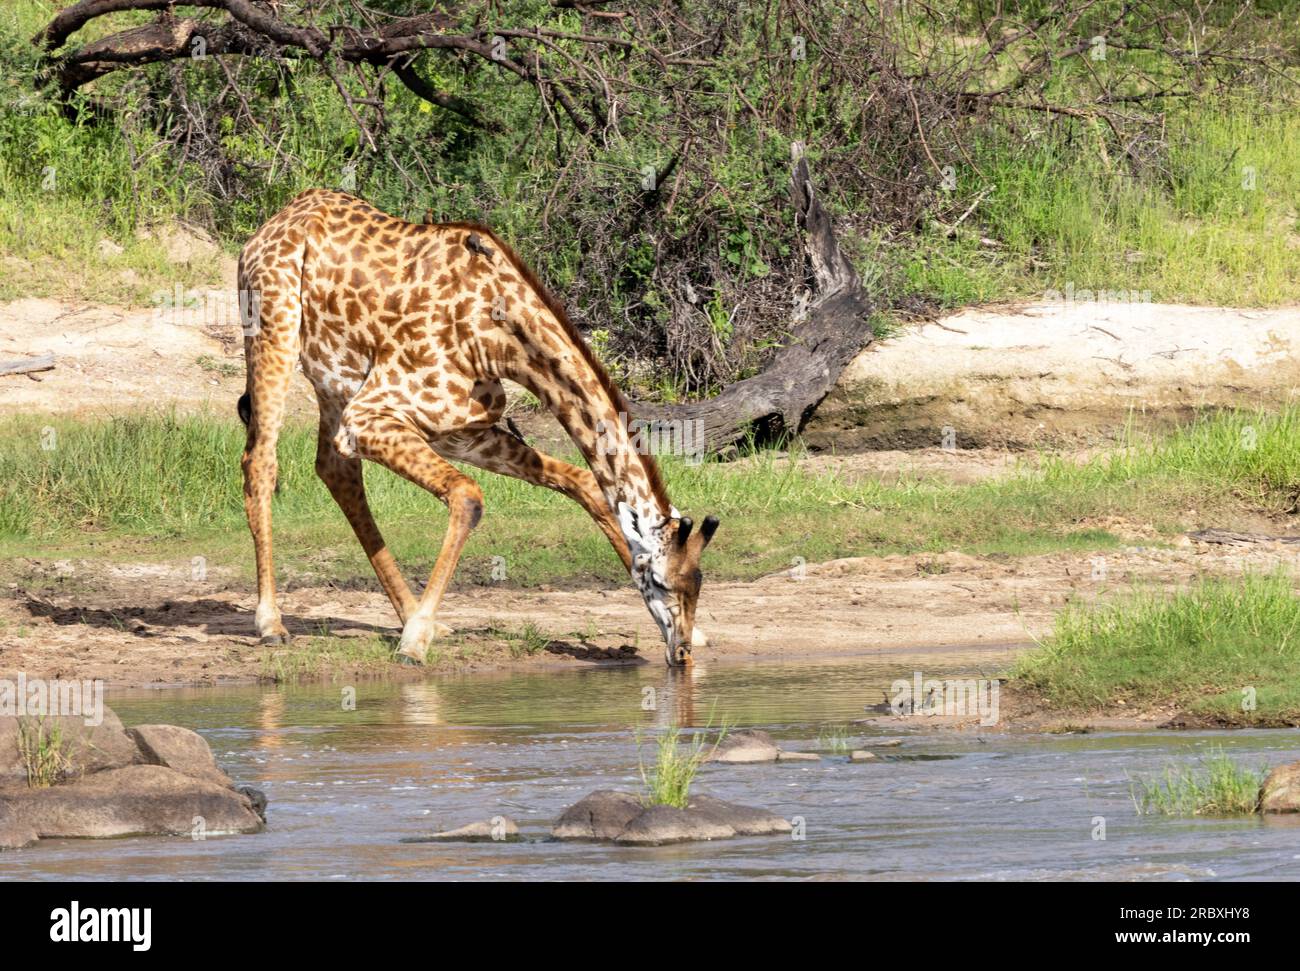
(139, 624)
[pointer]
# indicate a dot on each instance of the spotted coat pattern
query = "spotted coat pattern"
(406, 332)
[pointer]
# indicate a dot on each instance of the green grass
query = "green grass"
(164, 486)
(523, 641)
(1217, 786)
(44, 751)
(1219, 228)
(668, 782)
(837, 738)
(311, 658)
(1225, 649)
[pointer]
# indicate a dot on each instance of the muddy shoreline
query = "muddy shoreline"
(941, 613)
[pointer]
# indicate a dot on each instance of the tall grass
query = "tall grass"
(1217, 786)
(43, 751)
(668, 782)
(1219, 227)
(173, 481)
(1230, 648)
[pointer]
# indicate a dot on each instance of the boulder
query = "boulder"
(623, 818)
(16, 829)
(105, 781)
(745, 820)
(745, 745)
(1281, 790)
(861, 755)
(600, 816)
(667, 824)
(498, 829)
(178, 748)
(137, 800)
(798, 757)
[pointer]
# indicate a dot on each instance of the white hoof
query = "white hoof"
(416, 635)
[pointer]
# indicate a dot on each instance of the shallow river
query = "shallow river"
(346, 786)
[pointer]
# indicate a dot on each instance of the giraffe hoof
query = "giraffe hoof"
(407, 661)
(274, 640)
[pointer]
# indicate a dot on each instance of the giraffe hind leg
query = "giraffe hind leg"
(270, 353)
(342, 476)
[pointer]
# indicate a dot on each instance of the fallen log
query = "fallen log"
(825, 335)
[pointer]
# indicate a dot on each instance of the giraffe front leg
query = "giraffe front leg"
(396, 445)
(465, 504)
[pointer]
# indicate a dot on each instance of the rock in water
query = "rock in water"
(178, 748)
(743, 819)
(498, 829)
(744, 746)
(600, 816)
(105, 781)
(138, 800)
(1281, 790)
(621, 817)
(798, 757)
(667, 824)
(862, 755)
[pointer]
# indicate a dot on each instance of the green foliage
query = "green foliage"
(44, 752)
(1192, 198)
(1229, 648)
(65, 483)
(1217, 786)
(668, 781)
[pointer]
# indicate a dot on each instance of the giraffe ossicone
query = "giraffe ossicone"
(406, 331)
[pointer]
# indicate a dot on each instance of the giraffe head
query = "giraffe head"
(666, 569)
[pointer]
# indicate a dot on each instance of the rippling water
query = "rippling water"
(345, 786)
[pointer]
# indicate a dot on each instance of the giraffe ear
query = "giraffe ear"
(707, 529)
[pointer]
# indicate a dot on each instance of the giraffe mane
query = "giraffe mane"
(556, 307)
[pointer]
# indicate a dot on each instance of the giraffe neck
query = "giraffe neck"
(570, 383)
(600, 426)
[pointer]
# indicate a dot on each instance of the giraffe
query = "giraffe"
(406, 332)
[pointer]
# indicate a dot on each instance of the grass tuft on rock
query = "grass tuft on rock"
(668, 782)
(44, 752)
(1216, 786)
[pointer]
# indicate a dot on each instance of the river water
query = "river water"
(348, 778)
